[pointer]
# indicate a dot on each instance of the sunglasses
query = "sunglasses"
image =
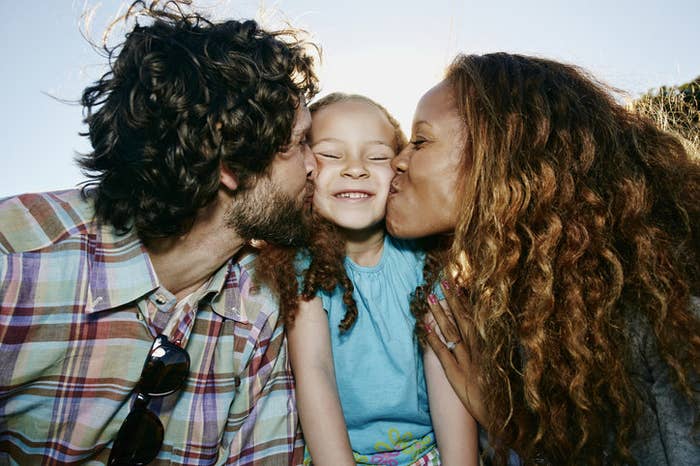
(141, 434)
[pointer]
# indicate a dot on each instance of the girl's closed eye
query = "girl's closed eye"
(328, 155)
(380, 157)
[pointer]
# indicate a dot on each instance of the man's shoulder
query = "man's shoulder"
(34, 221)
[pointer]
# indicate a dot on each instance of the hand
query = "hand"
(455, 352)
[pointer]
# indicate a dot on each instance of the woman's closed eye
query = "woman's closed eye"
(418, 142)
(380, 157)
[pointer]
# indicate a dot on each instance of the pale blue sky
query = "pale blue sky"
(390, 51)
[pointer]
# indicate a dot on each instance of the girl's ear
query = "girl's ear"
(228, 178)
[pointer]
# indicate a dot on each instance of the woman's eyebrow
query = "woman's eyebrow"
(422, 122)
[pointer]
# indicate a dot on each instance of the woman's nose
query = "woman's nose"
(400, 163)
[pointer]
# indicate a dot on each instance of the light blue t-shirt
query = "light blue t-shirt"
(378, 364)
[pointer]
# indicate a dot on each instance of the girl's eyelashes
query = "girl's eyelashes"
(339, 155)
(328, 155)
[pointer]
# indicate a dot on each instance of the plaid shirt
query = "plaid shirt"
(73, 339)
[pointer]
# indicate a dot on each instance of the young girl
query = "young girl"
(366, 393)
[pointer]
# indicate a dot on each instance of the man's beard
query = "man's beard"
(265, 212)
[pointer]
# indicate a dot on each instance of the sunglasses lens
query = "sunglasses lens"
(165, 370)
(139, 439)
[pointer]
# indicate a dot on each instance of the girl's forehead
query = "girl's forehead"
(338, 115)
(348, 108)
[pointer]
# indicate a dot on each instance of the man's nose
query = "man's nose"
(310, 163)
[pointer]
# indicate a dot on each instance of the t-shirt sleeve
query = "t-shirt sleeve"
(325, 301)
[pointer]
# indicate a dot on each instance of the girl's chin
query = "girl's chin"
(359, 225)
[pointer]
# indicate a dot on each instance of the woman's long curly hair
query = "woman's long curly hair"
(183, 96)
(326, 249)
(577, 217)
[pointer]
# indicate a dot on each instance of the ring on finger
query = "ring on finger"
(451, 345)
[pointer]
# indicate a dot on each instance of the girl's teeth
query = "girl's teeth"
(353, 195)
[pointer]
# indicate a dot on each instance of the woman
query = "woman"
(570, 238)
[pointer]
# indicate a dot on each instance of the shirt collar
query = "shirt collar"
(121, 272)
(241, 299)
(119, 269)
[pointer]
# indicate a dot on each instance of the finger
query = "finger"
(446, 326)
(460, 349)
(448, 313)
(457, 310)
(453, 297)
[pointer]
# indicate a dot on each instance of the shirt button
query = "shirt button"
(161, 299)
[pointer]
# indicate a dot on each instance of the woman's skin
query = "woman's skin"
(423, 192)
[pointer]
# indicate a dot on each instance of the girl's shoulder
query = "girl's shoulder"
(405, 252)
(407, 247)
(404, 262)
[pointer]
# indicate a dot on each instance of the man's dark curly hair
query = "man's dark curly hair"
(183, 96)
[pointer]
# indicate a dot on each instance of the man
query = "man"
(198, 132)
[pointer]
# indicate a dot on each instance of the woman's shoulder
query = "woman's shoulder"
(668, 416)
(640, 330)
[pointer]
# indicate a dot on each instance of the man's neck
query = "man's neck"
(364, 247)
(184, 263)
